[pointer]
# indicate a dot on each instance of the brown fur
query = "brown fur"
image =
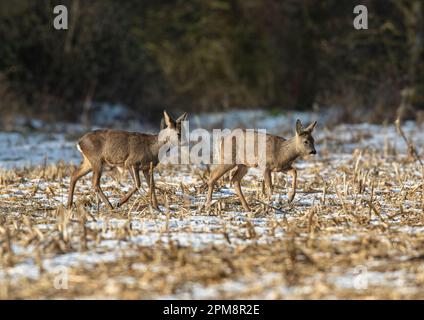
(280, 155)
(132, 151)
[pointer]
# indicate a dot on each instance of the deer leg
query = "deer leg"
(97, 173)
(268, 181)
(216, 173)
(81, 171)
(292, 193)
(136, 178)
(97, 203)
(238, 175)
(152, 189)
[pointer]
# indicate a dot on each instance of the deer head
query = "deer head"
(304, 140)
(172, 128)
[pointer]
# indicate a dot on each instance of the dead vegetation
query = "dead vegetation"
(354, 230)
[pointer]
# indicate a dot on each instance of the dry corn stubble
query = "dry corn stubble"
(364, 209)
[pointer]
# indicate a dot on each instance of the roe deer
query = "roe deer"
(280, 154)
(125, 150)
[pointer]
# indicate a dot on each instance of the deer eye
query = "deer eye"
(305, 142)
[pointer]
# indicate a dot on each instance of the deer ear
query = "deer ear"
(182, 118)
(162, 124)
(168, 121)
(299, 128)
(311, 127)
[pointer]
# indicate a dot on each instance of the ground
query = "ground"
(354, 230)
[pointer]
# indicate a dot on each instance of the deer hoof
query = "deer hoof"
(290, 197)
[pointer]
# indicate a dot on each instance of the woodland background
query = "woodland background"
(196, 55)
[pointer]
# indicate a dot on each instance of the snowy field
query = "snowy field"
(354, 230)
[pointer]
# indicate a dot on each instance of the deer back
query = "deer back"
(277, 154)
(119, 148)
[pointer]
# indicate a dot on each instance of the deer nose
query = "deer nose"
(313, 152)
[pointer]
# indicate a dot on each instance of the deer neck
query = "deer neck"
(157, 144)
(289, 151)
